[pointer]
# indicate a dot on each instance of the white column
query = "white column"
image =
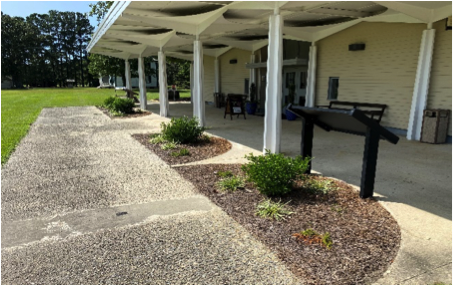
(311, 77)
(198, 103)
(216, 75)
(252, 71)
(191, 83)
(142, 83)
(421, 86)
(128, 74)
(273, 105)
(163, 92)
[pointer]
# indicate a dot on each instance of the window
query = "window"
(332, 93)
(290, 78)
(303, 79)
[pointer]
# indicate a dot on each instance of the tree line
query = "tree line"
(44, 50)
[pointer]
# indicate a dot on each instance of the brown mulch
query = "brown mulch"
(198, 151)
(137, 113)
(365, 236)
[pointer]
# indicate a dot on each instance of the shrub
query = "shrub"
(224, 174)
(272, 210)
(231, 183)
(320, 186)
(274, 174)
(156, 139)
(182, 152)
(123, 105)
(108, 102)
(182, 130)
(168, 146)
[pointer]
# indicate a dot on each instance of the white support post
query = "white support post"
(142, 83)
(127, 75)
(163, 92)
(198, 103)
(191, 82)
(216, 75)
(311, 77)
(273, 116)
(421, 86)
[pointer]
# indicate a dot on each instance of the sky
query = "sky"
(25, 8)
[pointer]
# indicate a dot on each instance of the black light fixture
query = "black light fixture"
(233, 61)
(448, 23)
(357, 47)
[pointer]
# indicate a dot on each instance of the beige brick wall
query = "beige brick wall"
(383, 73)
(232, 76)
(441, 70)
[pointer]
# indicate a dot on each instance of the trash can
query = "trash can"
(435, 125)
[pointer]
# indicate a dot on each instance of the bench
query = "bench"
(374, 110)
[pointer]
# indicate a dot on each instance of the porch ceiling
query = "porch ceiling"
(134, 28)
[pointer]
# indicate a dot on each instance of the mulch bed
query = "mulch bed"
(365, 236)
(137, 113)
(198, 151)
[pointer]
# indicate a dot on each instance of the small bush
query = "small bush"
(182, 152)
(123, 105)
(168, 146)
(225, 174)
(182, 130)
(274, 174)
(157, 139)
(231, 183)
(108, 102)
(320, 186)
(272, 210)
(205, 138)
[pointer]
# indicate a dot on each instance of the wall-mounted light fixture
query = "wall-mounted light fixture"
(233, 61)
(357, 47)
(448, 23)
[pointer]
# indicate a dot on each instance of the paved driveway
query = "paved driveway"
(84, 203)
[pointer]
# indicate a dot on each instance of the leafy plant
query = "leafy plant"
(272, 210)
(231, 183)
(320, 186)
(122, 105)
(182, 130)
(253, 93)
(157, 139)
(169, 146)
(274, 174)
(182, 152)
(224, 174)
(309, 236)
(108, 102)
(205, 138)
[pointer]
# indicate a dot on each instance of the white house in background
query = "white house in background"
(112, 81)
(388, 52)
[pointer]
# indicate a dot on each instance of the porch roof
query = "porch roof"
(140, 28)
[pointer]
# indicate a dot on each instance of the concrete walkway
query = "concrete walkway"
(84, 203)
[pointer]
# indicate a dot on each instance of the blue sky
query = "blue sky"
(25, 8)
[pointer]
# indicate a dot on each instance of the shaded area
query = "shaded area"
(365, 236)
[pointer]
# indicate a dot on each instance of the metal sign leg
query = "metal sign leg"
(369, 163)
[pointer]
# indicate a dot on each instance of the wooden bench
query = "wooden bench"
(374, 110)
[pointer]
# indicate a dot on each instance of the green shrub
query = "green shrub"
(108, 102)
(272, 210)
(123, 105)
(182, 130)
(225, 174)
(231, 183)
(168, 146)
(156, 139)
(319, 186)
(182, 152)
(274, 174)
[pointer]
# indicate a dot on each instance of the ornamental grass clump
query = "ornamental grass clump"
(117, 105)
(274, 174)
(231, 183)
(182, 130)
(272, 210)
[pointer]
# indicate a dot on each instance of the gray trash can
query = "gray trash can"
(435, 125)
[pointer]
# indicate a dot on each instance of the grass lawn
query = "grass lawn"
(20, 108)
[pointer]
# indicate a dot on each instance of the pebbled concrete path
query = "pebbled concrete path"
(84, 203)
